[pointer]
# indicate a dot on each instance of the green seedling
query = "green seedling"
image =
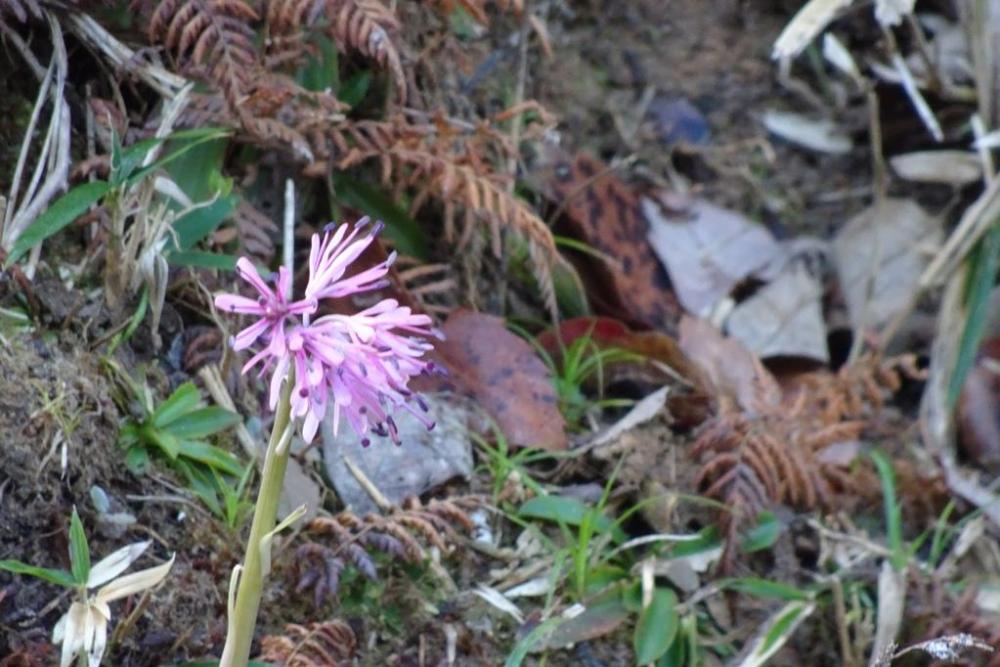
(83, 629)
(175, 431)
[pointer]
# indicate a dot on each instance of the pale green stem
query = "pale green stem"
(243, 618)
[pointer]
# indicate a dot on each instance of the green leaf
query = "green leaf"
(197, 224)
(764, 588)
(198, 170)
(893, 512)
(59, 577)
(982, 278)
(202, 422)
(321, 71)
(355, 88)
(61, 213)
(167, 442)
(763, 535)
(202, 259)
(523, 647)
(201, 484)
(657, 627)
(211, 456)
(405, 232)
(79, 550)
(561, 509)
(137, 459)
(197, 137)
(184, 399)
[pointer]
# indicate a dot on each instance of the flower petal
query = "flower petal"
(135, 582)
(234, 303)
(111, 566)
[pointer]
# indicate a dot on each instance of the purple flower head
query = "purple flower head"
(355, 366)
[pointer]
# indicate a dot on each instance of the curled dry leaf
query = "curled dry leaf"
(503, 374)
(979, 409)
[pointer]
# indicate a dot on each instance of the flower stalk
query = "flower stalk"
(352, 366)
(243, 616)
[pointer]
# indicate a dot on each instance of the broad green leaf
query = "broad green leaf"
(560, 509)
(198, 171)
(405, 232)
(79, 550)
(211, 456)
(202, 422)
(168, 443)
(61, 213)
(763, 535)
(202, 259)
(59, 577)
(184, 399)
(657, 627)
(764, 588)
(197, 224)
(197, 137)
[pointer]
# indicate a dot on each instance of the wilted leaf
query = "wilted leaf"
(707, 250)
(880, 255)
(603, 211)
(891, 12)
(784, 318)
(891, 600)
(504, 375)
(777, 632)
(818, 134)
(979, 409)
(811, 20)
(730, 369)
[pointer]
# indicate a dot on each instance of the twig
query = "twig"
(369, 487)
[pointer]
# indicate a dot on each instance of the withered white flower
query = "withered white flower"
(84, 628)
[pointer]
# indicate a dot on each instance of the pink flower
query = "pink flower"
(357, 366)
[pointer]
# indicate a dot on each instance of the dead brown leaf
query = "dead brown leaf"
(504, 375)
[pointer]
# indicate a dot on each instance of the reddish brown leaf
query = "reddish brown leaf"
(502, 373)
(979, 409)
(604, 212)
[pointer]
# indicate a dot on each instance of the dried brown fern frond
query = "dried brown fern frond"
(369, 27)
(347, 539)
(325, 644)
(211, 38)
(453, 168)
(782, 455)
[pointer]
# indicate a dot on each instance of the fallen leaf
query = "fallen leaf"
(810, 21)
(729, 368)
(593, 622)
(818, 134)
(503, 375)
(783, 318)
(951, 167)
(891, 12)
(640, 413)
(891, 601)
(424, 460)
(880, 255)
(603, 211)
(708, 250)
(979, 409)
